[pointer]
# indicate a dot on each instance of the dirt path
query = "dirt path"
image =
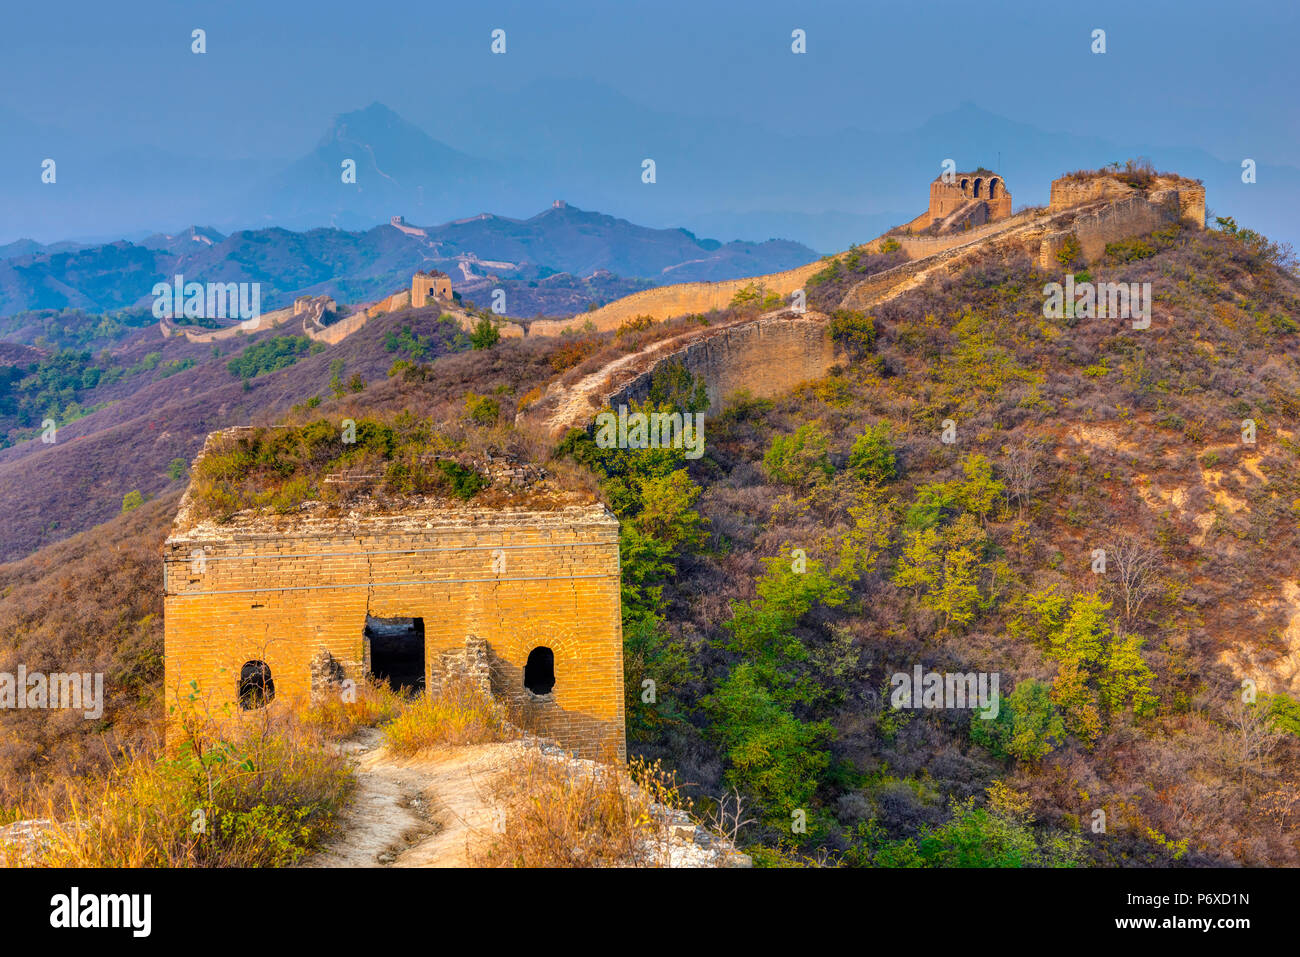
(415, 812)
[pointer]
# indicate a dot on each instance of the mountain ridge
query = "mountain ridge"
(356, 265)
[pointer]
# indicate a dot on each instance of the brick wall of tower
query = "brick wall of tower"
(283, 598)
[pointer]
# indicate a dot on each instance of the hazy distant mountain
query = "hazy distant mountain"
(513, 152)
(397, 167)
(354, 266)
(186, 241)
(29, 247)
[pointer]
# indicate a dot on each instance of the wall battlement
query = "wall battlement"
(765, 358)
(662, 302)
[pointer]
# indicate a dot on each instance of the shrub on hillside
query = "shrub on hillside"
(482, 409)
(485, 334)
(634, 325)
(853, 331)
(873, 457)
(271, 354)
(800, 459)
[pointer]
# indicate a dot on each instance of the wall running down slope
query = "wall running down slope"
(773, 353)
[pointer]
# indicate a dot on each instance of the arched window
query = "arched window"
(965, 186)
(978, 184)
(993, 188)
(539, 670)
(256, 689)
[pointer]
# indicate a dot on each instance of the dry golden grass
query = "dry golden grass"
(259, 793)
(459, 714)
(372, 703)
(565, 814)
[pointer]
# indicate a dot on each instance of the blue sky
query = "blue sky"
(1191, 80)
(1221, 77)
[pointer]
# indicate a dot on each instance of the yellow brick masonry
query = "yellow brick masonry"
(281, 592)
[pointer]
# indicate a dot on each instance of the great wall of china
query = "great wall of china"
(777, 351)
(524, 596)
(771, 353)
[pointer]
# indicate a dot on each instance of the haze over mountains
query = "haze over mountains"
(512, 153)
(354, 266)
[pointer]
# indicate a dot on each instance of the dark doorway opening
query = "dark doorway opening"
(397, 651)
(256, 689)
(539, 670)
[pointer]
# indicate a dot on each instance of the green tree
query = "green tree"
(800, 459)
(1027, 726)
(269, 355)
(853, 331)
(672, 384)
(132, 500)
(1284, 712)
(1100, 673)
(485, 334)
(774, 757)
(667, 511)
(860, 548)
(482, 409)
(956, 595)
(872, 457)
(918, 566)
(1125, 680)
(760, 629)
(981, 491)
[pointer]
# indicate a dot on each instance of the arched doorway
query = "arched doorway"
(256, 687)
(539, 670)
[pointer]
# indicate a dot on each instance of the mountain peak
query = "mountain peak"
(377, 124)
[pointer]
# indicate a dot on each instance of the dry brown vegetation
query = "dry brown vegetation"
(459, 713)
(367, 705)
(256, 793)
(1138, 173)
(576, 814)
(91, 604)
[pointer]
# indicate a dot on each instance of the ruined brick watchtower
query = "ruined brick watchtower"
(526, 599)
(965, 199)
(432, 283)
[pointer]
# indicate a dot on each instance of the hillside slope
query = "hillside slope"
(830, 540)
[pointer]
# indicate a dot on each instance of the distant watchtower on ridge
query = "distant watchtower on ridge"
(965, 199)
(435, 283)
